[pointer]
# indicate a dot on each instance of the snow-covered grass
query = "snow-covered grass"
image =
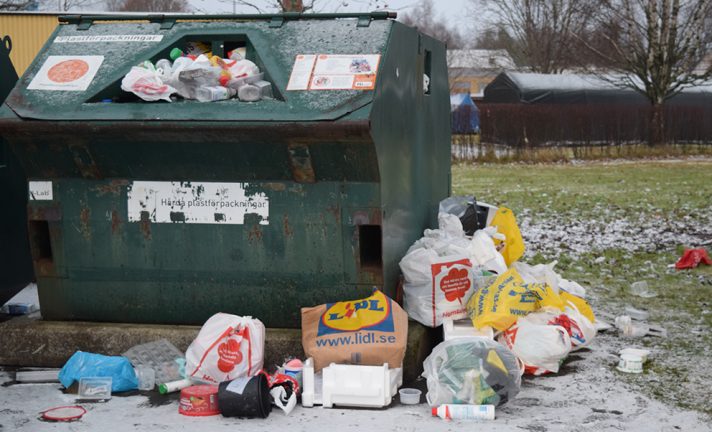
(612, 224)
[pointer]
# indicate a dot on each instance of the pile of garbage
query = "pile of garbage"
(195, 73)
(523, 319)
(501, 318)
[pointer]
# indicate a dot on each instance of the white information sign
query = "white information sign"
(301, 72)
(193, 202)
(40, 191)
(334, 72)
(70, 73)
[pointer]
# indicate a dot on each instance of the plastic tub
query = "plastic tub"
(409, 396)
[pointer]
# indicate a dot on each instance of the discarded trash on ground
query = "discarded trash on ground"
(376, 329)
(641, 289)
(88, 365)
(161, 356)
(471, 370)
(63, 413)
(464, 412)
(691, 258)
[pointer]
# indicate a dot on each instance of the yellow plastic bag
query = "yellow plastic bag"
(582, 305)
(506, 224)
(500, 304)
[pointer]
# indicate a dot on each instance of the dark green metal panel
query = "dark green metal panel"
(351, 178)
(15, 262)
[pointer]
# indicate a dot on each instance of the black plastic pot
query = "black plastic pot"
(252, 400)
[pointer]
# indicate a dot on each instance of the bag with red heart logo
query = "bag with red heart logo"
(227, 347)
(436, 287)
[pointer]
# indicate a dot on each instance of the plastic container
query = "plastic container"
(249, 93)
(350, 385)
(464, 412)
(464, 328)
(245, 397)
(95, 388)
(409, 396)
(642, 353)
(161, 356)
(215, 93)
(199, 401)
(146, 377)
(630, 363)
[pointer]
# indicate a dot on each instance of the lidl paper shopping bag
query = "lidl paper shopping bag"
(370, 331)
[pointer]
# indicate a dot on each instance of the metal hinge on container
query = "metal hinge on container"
(364, 20)
(166, 23)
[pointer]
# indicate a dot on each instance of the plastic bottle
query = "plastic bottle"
(174, 386)
(216, 93)
(175, 54)
(249, 93)
(464, 412)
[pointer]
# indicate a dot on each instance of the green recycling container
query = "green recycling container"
(15, 262)
(158, 212)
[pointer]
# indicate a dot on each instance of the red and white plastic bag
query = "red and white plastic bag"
(227, 347)
(541, 347)
(436, 287)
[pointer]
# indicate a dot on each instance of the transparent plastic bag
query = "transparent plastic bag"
(146, 84)
(471, 370)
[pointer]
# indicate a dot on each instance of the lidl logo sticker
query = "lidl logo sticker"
(372, 313)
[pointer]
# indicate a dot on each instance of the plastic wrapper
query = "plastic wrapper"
(541, 346)
(146, 84)
(471, 370)
(83, 365)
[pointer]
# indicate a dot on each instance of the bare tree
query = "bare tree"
(423, 17)
(541, 31)
(15, 5)
(654, 47)
(148, 5)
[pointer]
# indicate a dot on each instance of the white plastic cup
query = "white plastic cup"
(146, 378)
(409, 396)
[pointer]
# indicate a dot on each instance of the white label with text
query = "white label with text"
(198, 203)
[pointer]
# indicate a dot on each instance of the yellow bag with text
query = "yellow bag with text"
(506, 224)
(500, 304)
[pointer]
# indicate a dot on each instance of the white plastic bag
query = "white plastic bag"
(541, 347)
(227, 347)
(146, 84)
(544, 273)
(436, 287)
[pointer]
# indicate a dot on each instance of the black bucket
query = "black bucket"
(245, 397)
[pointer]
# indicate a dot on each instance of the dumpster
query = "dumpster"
(167, 212)
(15, 262)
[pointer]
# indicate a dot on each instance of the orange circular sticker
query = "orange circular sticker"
(68, 71)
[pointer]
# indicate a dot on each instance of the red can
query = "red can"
(199, 400)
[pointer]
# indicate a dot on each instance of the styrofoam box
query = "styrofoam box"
(464, 328)
(350, 385)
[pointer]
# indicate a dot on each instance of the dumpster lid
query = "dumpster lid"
(109, 45)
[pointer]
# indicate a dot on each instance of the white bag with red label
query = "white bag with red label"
(227, 347)
(436, 287)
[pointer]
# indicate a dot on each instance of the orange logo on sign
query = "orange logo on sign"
(68, 71)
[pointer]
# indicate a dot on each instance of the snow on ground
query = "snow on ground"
(604, 228)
